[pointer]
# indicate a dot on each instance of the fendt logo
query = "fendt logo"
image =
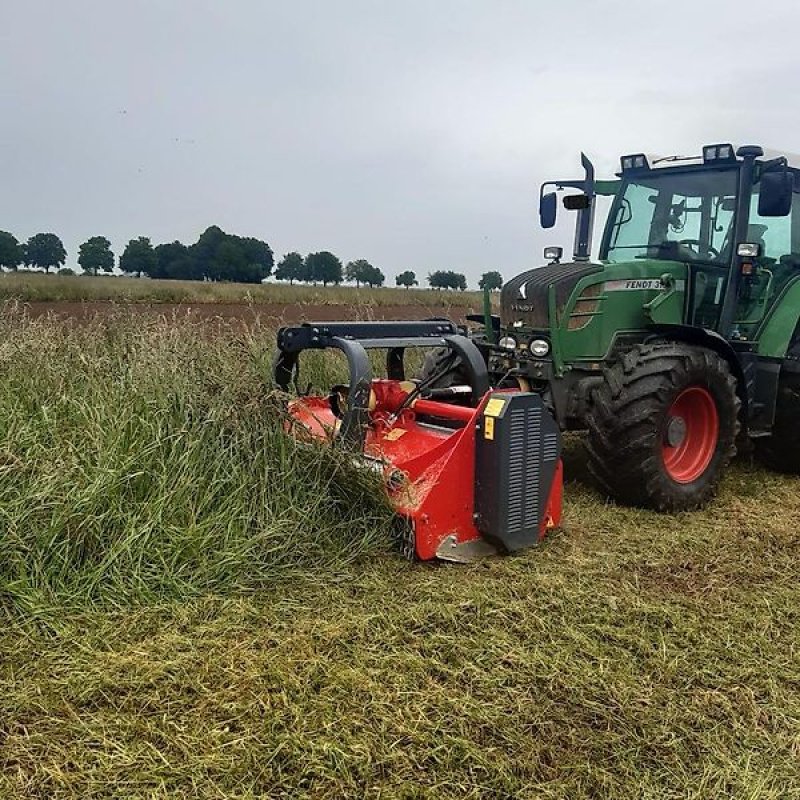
(523, 291)
(644, 284)
(634, 285)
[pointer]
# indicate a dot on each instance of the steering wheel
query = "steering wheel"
(695, 244)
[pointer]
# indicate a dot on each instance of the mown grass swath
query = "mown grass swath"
(634, 655)
(143, 459)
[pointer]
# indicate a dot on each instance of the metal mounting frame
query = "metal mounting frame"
(354, 339)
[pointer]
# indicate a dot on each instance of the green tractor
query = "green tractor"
(682, 340)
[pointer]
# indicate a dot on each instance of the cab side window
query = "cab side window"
(779, 262)
(631, 231)
(774, 234)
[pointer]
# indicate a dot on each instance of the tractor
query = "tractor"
(681, 341)
(677, 345)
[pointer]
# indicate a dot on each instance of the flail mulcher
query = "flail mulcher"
(473, 470)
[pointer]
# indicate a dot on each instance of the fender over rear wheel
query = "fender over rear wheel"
(662, 426)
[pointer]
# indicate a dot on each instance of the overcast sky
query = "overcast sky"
(413, 134)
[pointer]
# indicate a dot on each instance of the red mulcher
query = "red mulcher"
(470, 479)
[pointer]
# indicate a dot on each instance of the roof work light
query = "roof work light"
(635, 161)
(719, 152)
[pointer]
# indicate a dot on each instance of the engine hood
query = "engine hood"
(524, 298)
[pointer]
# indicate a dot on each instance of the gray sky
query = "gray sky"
(413, 134)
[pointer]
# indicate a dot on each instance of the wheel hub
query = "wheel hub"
(690, 434)
(676, 431)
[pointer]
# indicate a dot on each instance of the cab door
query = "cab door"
(777, 265)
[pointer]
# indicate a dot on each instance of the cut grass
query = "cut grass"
(38, 287)
(632, 655)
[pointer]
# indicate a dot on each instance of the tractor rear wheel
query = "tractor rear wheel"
(662, 426)
(781, 451)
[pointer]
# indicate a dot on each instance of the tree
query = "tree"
(361, 271)
(228, 262)
(375, 278)
(491, 280)
(204, 251)
(356, 271)
(139, 257)
(447, 279)
(438, 280)
(66, 271)
(45, 250)
(174, 261)
(323, 266)
(407, 279)
(11, 252)
(290, 268)
(221, 256)
(95, 254)
(306, 274)
(258, 257)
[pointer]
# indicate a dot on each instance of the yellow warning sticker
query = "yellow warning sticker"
(488, 427)
(395, 434)
(494, 407)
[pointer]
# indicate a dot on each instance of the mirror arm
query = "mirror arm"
(585, 222)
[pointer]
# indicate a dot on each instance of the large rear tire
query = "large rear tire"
(662, 426)
(447, 365)
(781, 450)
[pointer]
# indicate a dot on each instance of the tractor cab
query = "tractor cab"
(729, 220)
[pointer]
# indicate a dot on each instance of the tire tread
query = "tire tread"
(624, 423)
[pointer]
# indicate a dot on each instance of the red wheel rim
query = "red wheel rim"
(690, 435)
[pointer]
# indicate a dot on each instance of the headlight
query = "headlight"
(748, 250)
(539, 347)
(508, 343)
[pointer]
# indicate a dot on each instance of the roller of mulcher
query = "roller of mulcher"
(473, 470)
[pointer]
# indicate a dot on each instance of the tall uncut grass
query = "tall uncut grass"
(143, 459)
(38, 287)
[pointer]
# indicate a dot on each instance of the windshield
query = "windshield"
(676, 216)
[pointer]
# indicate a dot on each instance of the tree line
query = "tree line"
(215, 256)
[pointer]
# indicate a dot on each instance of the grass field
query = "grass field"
(195, 607)
(36, 286)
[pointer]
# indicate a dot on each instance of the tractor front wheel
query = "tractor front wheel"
(445, 366)
(662, 426)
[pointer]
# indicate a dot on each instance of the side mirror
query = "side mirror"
(576, 202)
(547, 210)
(775, 194)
